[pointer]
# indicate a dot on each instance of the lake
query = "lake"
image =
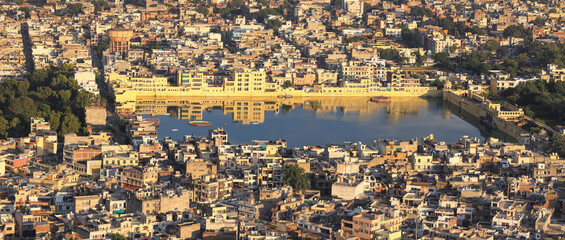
(313, 121)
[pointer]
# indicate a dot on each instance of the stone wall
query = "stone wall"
(482, 111)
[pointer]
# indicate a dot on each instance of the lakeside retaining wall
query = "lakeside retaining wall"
(131, 95)
(482, 112)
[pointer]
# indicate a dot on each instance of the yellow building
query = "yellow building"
(192, 79)
(246, 80)
(138, 82)
(248, 83)
(116, 159)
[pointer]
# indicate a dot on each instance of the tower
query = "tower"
(119, 39)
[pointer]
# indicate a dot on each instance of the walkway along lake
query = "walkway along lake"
(314, 121)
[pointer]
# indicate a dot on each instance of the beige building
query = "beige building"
(348, 188)
(200, 167)
(85, 203)
(210, 188)
(381, 225)
(138, 177)
(151, 202)
(95, 116)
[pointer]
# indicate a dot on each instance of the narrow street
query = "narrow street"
(28, 52)
(112, 118)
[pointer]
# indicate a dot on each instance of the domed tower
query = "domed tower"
(119, 39)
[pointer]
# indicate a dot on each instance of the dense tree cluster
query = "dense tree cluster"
(294, 176)
(540, 99)
(517, 32)
(545, 53)
(75, 8)
(557, 145)
(421, 12)
(51, 93)
(390, 54)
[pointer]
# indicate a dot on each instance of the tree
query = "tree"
(23, 107)
(287, 84)
(75, 8)
(390, 54)
(522, 58)
(264, 13)
(478, 30)
(517, 32)
(466, 222)
(236, 3)
(442, 60)
(274, 24)
(203, 9)
(293, 175)
(439, 84)
(408, 36)
(557, 145)
(51, 93)
(420, 58)
(492, 45)
(69, 124)
(421, 12)
(26, 11)
(4, 127)
(453, 48)
(539, 21)
(100, 5)
(263, 2)
(510, 66)
(117, 236)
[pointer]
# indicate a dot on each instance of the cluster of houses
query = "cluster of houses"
(205, 187)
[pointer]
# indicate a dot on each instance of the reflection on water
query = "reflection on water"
(250, 110)
(313, 121)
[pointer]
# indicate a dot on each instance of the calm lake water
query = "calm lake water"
(313, 121)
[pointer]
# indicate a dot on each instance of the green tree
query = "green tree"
(439, 84)
(117, 236)
(408, 36)
(557, 145)
(75, 8)
(263, 2)
(390, 54)
(236, 3)
(4, 127)
(421, 12)
(287, 84)
(510, 66)
(293, 175)
(100, 5)
(23, 107)
(26, 11)
(69, 124)
(492, 45)
(453, 48)
(420, 58)
(517, 31)
(264, 13)
(203, 9)
(442, 61)
(522, 58)
(274, 24)
(539, 21)
(478, 30)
